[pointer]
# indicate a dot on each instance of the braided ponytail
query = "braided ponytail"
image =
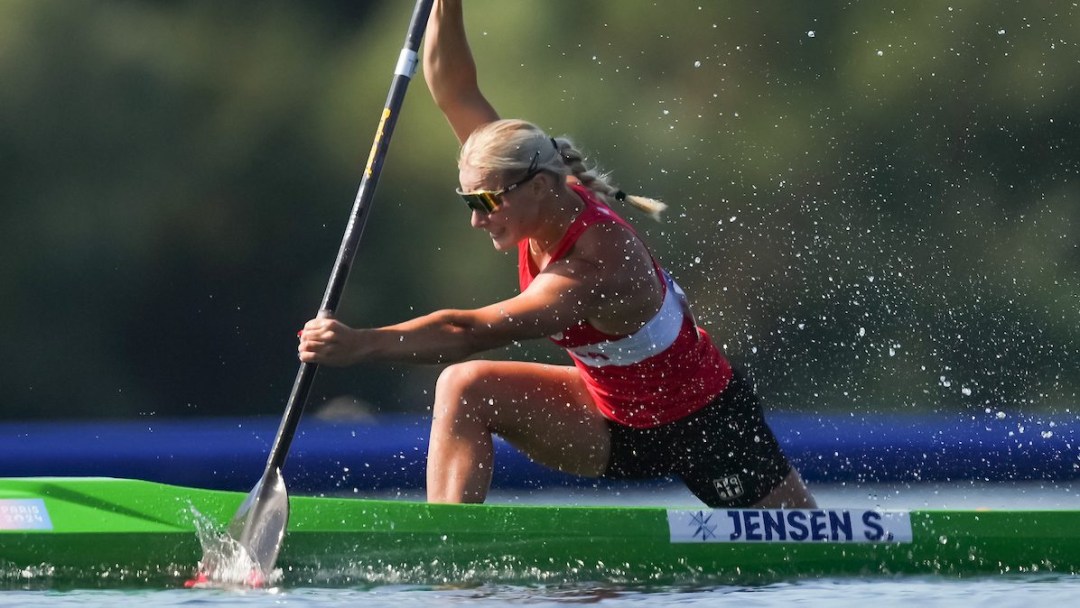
(513, 146)
(598, 182)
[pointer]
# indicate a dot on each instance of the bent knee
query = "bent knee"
(461, 385)
(463, 378)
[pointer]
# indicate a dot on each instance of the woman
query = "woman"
(649, 395)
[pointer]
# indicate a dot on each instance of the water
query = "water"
(999, 591)
(1002, 592)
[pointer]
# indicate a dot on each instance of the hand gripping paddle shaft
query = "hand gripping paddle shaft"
(259, 524)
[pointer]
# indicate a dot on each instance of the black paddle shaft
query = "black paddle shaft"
(305, 376)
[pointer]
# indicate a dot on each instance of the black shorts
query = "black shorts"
(725, 453)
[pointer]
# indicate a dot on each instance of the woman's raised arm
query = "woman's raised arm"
(450, 71)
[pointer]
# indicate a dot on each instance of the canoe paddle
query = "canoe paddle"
(259, 524)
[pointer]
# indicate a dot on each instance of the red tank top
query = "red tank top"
(666, 370)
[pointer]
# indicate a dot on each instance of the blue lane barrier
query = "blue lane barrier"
(389, 452)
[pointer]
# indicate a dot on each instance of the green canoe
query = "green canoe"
(116, 532)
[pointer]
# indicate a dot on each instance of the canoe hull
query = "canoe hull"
(108, 532)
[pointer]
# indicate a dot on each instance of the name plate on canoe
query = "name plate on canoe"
(789, 526)
(24, 514)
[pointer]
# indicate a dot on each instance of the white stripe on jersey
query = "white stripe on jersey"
(652, 339)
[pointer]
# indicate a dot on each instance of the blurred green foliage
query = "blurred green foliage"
(874, 207)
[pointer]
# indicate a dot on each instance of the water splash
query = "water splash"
(225, 562)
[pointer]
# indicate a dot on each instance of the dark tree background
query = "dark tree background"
(873, 208)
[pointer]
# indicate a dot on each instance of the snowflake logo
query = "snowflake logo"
(705, 530)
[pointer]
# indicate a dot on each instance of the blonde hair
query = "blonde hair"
(516, 146)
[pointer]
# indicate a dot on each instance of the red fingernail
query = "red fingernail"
(299, 333)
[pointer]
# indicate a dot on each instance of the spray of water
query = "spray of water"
(225, 562)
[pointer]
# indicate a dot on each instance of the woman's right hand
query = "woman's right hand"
(327, 341)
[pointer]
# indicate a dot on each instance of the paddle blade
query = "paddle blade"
(259, 524)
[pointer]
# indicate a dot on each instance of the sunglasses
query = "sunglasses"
(487, 201)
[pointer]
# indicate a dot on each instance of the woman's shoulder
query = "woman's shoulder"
(596, 210)
(609, 246)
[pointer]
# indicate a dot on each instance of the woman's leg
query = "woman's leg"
(543, 410)
(791, 493)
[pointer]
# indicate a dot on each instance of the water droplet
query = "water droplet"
(811, 34)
